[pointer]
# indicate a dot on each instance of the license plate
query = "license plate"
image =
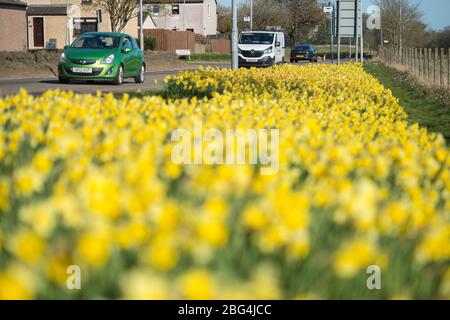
(300, 56)
(82, 70)
(252, 60)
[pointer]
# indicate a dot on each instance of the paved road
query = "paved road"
(36, 86)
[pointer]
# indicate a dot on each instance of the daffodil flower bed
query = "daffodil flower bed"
(88, 181)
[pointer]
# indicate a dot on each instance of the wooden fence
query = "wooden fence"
(170, 40)
(220, 46)
(429, 66)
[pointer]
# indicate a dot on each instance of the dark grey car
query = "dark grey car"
(304, 52)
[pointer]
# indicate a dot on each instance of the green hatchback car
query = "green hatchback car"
(102, 56)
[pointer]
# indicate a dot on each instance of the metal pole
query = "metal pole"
(332, 36)
(350, 48)
(141, 29)
(251, 14)
(362, 36)
(338, 32)
(234, 36)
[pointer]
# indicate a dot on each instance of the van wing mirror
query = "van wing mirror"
(277, 44)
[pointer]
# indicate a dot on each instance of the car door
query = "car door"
(137, 58)
(128, 57)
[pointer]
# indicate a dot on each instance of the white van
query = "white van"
(261, 48)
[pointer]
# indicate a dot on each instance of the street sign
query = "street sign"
(349, 25)
(349, 18)
(183, 52)
(328, 9)
(247, 19)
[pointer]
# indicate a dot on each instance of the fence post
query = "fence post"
(434, 65)
(422, 68)
(420, 64)
(405, 56)
(428, 64)
(416, 57)
(430, 51)
(448, 68)
(430, 55)
(411, 60)
(441, 68)
(401, 56)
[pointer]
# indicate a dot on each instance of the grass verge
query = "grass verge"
(428, 107)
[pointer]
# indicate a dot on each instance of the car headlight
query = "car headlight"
(62, 58)
(268, 50)
(108, 60)
(239, 50)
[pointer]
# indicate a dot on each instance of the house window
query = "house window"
(175, 9)
(83, 25)
(86, 1)
(156, 9)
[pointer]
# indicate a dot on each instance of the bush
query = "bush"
(149, 43)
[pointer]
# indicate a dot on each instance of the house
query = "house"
(54, 23)
(199, 16)
(13, 25)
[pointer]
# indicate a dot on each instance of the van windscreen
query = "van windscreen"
(256, 38)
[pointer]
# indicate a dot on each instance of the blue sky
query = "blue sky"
(436, 12)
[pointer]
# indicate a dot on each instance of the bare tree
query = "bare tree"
(300, 16)
(120, 12)
(223, 19)
(295, 17)
(401, 22)
(265, 13)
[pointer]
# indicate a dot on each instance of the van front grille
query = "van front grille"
(252, 53)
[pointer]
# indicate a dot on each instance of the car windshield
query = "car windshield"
(97, 42)
(256, 38)
(303, 47)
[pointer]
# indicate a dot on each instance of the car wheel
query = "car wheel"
(119, 77)
(140, 78)
(63, 80)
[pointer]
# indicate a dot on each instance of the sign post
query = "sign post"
(329, 9)
(141, 29)
(234, 36)
(251, 14)
(350, 25)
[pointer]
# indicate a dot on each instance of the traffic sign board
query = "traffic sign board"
(349, 18)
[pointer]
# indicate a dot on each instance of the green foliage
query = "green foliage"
(149, 43)
(431, 109)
